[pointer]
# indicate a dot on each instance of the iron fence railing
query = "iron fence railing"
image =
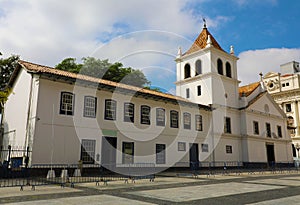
(71, 174)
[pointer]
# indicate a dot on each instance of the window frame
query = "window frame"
(110, 114)
(145, 116)
(227, 125)
(255, 127)
(279, 131)
(220, 67)
(128, 112)
(268, 130)
(187, 71)
(174, 123)
(198, 66)
(160, 117)
(181, 146)
(87, 110)
(160, 153)
(288, 107)
(199, 90)
(229, 149)
(127, 158)
(199, 122)
(66, 105)
(88, 154)
(187, 118)
(187, 93)
(228, 70)
(204, 147)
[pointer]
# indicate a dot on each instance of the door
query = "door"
(270, 154)
(108, 151)
(194, 155)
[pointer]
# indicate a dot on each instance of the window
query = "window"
(128, 153)
(160, 153)
(255, 128)
(199, 125)
(287, 84)
(199, 90)
(228, 149)
(227, 127)
(145, 115)
(160, 117)
(283, 85)
(66, 103)
(187, 71)
(187, 93)
(268, 129)
(288, 108)
(173, 119)
(110, 109)
(204, 147)
(128, 112)
(279, 131)
(88, 151)
(290, 121)
(198, 67)
(228, 70)
(186, 120)
(220, 66)
(181, 146)
(90, 105)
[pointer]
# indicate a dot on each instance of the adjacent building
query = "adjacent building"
(284, 87)
(65, 117)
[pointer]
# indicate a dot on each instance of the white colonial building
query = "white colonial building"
(284, 87)
(65, 117)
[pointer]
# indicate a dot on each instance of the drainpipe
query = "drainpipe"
(212, 134)
(28, 125)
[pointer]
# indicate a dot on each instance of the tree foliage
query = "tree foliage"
(69, 64)
(7, 66)
(105, 70)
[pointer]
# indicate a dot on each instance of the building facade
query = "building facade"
(284, 87)
(65, 117)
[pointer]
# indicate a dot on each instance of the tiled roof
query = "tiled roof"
(201, 40)
(286, 75)
(248, 89)
(35, 68)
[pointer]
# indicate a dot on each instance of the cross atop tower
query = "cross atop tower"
(204, 22)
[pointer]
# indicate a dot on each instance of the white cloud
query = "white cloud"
(244, 3)
(48, 31)
(252, 62)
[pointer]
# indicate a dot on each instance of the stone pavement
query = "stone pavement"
(260, 189)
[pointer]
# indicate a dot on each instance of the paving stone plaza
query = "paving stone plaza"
(267, 188)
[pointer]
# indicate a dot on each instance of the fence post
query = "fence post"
(27, 157)
(9, 153)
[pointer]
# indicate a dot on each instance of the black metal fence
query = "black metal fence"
(14, 157)
(231, 167)
(63, 174)
(69, 175)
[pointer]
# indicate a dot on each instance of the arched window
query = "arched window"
(187, 71)
(228, 70)
(220, 66)
(198, 67)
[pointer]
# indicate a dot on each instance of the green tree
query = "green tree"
(69, 64)
(94, 67)
(7, 66)
(105, 70)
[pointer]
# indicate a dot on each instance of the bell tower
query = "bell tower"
(206, 74)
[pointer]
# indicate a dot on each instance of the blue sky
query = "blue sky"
(146, 34)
